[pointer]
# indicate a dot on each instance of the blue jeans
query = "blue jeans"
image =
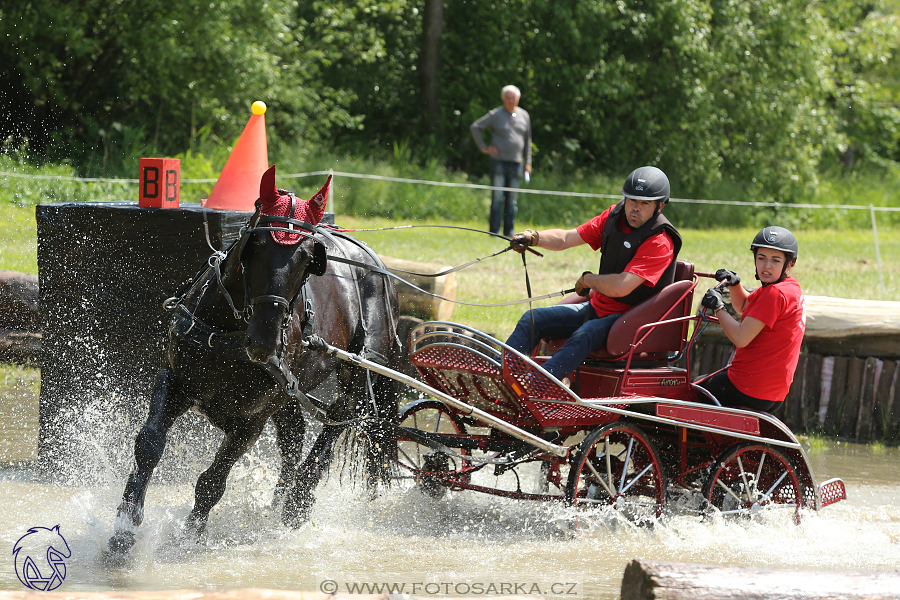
(504, 173)
(578, 322)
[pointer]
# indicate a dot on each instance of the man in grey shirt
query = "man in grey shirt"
(510, 147)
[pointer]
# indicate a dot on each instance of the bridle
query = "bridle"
(258, 222)
(187, 326)
(263, 222)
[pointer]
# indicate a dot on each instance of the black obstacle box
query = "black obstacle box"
(104, 271)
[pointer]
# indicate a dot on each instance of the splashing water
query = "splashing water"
(403, 537)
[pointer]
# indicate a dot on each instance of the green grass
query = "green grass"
(839, 264)
(832, 263)
(18, 239)
(19, 400)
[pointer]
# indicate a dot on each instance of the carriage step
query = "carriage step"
(832, 491)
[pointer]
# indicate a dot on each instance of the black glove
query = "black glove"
(520, 241)
(580, 288)
(730, 278)
(713, 299)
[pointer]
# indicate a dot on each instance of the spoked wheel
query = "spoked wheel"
(432, 469)
(750, 479)
(617, 465)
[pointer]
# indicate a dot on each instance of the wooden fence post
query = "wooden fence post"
(856, 371)
(812, 392)
(707, 359)
(836, 397)
(893, 430)
(864, 419)
(884, 401)
(792, 403)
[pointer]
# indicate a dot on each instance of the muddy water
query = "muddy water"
(462, 544)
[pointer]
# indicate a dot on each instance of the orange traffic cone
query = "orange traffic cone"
(238, 185)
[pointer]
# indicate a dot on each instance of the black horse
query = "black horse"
(236, 355)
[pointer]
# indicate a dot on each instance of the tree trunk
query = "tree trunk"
(645, 580)
(430, 63)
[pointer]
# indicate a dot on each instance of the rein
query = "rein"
(387, 272)
(502, 237)
(185, 325)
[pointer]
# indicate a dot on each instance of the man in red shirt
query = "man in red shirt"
(767, 339)
(639, 248)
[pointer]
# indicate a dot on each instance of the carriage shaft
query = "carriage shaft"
(471, 411)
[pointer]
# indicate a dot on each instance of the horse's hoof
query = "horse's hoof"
(194, 527)
(121, 543)
(296, 513)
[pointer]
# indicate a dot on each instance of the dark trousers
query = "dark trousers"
(578, 322)
(720, 386)
(504, 173)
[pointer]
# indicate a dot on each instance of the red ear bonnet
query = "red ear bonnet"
(277, 203)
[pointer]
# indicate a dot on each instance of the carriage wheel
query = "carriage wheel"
(617, 466)
(433, 470)
(751, 479)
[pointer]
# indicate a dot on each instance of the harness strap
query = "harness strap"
(230, 344)
(415, 287)
(274, 299)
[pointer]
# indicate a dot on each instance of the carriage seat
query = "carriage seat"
(673, 301)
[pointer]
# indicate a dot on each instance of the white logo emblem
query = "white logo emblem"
(627, 245)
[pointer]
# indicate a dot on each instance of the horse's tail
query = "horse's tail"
(369, 447)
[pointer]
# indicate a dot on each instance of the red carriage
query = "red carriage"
(631, 430)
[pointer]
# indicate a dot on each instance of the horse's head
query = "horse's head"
(276, 263)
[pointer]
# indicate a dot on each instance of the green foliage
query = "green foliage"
(112, 81)
(864, 101)
(735, 100)
(724, 96)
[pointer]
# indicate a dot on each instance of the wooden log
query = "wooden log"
(893, 395)
(20, 347)
(856, 370)
(842, 327)
(836, 397)
(792, 401)
(19, 301)
(883, 401)
(827, 374)
(724, 355)
(696, 358)
(707, 359)
(419, 304)
(864, 419)
(852, 327)
(812, 392)
(646, 580)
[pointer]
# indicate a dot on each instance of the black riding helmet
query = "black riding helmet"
(647, 183)
(777, 238)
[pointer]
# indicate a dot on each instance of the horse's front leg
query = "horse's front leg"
(211, 483)
(290, 429)
(165, 408)
(299, 500)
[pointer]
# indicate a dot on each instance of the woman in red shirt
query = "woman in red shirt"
(768, 337)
